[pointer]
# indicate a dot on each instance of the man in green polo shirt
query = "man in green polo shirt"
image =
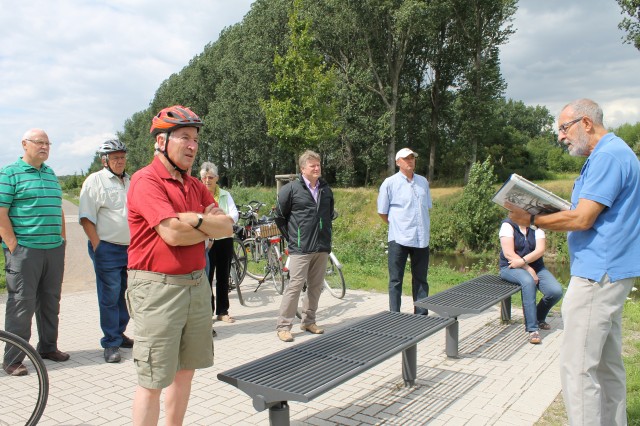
(32, 231)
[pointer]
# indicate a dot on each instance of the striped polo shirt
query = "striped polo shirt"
(34, 200)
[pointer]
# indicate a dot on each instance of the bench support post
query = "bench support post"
(505, 309)
(410, 365)
(279, 414)
(451, 342)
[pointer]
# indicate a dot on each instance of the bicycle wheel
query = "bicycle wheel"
(241, 257)
(27, 394)
(233, 277)
(257, 262)
(334, 280)
(275, 268)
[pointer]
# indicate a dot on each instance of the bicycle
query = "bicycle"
(24, 398)
(260, 247)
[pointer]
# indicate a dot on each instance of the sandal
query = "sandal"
(226, 318)
(543, 325)
(534, 338)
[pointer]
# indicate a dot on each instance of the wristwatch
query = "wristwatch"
(200, 218)
(532, 225)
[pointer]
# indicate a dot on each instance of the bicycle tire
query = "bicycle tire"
(233, 277)
(241, 257)
(21, 402)
(257, 262)
(275, 268)
(334, 280)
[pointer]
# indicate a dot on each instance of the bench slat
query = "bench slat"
(306, 370)
(470, 297)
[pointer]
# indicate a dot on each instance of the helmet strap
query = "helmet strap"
(166, 155)
(121, 176)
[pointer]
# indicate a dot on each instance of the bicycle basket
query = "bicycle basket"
(268, 230)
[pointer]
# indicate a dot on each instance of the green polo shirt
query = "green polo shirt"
(34, 200)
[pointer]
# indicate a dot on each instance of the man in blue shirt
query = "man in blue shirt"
(603, 226)
(404, 202)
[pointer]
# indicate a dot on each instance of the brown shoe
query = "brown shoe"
(17, 369)
(311, 328)
(226, 318)
(285, 336)
(57, 356)
(127, 342)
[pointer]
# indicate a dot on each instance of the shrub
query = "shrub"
(478, 218)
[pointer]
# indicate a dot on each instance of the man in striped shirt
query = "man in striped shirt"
(32, 231)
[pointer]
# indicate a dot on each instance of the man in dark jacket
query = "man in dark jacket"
(303, 214)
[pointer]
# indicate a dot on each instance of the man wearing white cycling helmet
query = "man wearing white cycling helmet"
(103, 216)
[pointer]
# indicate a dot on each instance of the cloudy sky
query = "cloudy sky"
(80, 68)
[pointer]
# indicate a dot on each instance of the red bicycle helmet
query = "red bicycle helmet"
(174, 117)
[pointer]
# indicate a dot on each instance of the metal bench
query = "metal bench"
(470, 297)
(307, 370)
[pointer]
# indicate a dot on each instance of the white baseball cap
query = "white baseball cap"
(405, 152)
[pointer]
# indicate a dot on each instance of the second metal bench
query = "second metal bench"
(470, 297)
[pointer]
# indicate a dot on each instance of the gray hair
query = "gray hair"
(306, 156)
(208, 167)
(586, 108)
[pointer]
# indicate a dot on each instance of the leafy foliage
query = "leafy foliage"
(631, 22)
(478, 218)
(356, 80)
(301, 111)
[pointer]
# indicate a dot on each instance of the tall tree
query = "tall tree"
(483, 25)
(301, 111)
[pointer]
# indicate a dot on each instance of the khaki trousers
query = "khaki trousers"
(303, 268)
(591, 368)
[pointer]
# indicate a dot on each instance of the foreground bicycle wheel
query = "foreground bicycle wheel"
(334, 280)
(23, 398)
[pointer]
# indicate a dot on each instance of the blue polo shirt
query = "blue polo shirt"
(610, 176)
(407, 205)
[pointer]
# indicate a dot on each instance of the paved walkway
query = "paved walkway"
(499, 379)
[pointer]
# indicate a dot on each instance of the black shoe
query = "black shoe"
(57, 356)
(213, 333)
(126, 342)
(112, 354)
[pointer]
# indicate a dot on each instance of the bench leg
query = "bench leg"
(451, 342)
(505, 309)
(410, 365)
(279, 414)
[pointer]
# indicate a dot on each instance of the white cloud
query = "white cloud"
(79, 69)
(567, 50)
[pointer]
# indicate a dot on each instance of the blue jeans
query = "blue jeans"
(548, 286)
(419, 266)
(110, 265)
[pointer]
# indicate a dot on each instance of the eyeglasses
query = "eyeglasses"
(207, 177)
(41, 144)
(564, 128)
(118, 158)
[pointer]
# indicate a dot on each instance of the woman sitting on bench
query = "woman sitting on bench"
(521, 263)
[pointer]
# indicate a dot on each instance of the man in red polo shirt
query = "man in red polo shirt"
(169, 299)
